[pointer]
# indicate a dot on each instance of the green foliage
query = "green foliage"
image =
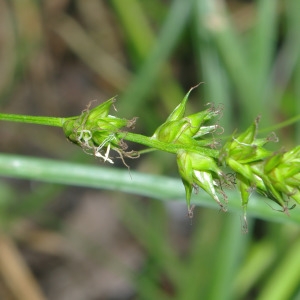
(272, 174)
(248, 56)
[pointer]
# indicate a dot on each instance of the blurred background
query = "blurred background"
(56, 56)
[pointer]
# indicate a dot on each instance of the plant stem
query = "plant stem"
(133, 137)
(281, 125)
(49, 121)
(167, 147)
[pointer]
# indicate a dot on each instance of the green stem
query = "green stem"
(167, 147)
(281, 125)
(133, 137)
(49, 121)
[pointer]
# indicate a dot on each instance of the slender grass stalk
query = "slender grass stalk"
(171, 148)
(153, 186)
(49, 121)
(133, 137)
(282, 287)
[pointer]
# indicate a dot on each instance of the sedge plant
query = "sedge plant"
(242, 161)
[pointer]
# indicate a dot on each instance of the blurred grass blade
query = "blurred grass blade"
(232, 243)
(214, 19)
(216, 22)
(212, 71)
(283, 282)
(91, 53)
(139, 88)
(142, 37)
(264, 41)
(151, 231)
(155, 186)
(261, 256)
(288, 56)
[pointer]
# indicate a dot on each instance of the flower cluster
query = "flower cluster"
(96, 131)
(196, 169)
(274, 175)
(191, 138)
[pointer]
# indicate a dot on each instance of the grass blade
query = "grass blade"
(155, 186)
